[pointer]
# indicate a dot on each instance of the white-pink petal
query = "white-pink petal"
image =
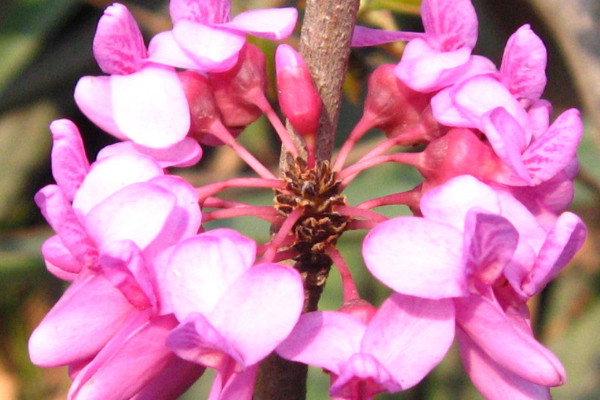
(417, 256)
(150, 107)
(259, 310)
(268, 23)
(410, 336)
(450, 24)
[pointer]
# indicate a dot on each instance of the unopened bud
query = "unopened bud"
(238, 90)
(298, 96)
(395, 108)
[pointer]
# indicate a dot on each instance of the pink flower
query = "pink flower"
(232, 313)
(206, 38)
(114, 220)
(139, 100)
(441, 55)
(485, 249)
(391, 351)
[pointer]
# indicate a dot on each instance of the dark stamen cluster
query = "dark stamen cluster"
(316, 191)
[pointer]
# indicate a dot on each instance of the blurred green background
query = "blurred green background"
(45, 46)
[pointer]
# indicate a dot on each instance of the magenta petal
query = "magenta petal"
(150, 107)
(69, 162)
(174, 379)
(100, 182)
(410, 336)
(55, 252)
(268, 23)
(451, 23)
(553, 151)
(450, 202)
(204, 12)
(84, 319)
(483, 371)
(563, 241)
(524, 65)
(164, 49)
(366, 372)
(259, 310)
(507, 138)
(201, 269)
(183, 154)
(489, 245)
(196, 340)
(416, 256)
(325, 339)
(506, 343)
(60, 215)
(240, 385)
(137, 212)
(118, 44)
(426, 69)
(212, 48)
(131, 360)
(93, 95)
(363, 36)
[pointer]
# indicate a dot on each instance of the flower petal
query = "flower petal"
(93, 95)
(212, 48)
(69, 162)
(363, 36)
(59, 259)
(204, 12)
(201, 269)
(451, 23)
(150, 107)
(118, 44)
(268, 23)
(410, 336)
(325, 339)
(164, 49)
(482, 370)
(259, 310)
(182, 154)
(506, 343)
(416, 256)
(79, 325)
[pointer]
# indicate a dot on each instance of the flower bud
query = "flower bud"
(298, 96)
(239, 91)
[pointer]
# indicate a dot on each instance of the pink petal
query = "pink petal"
(55, 252)
(507, 138)
(212, 48)
(93, 95)
(511, 347)
(553, 151)
(183, 154)
(204, 12)
(563, 241)
(137, 212)
(366, 372)
(410, 336)
(539, 117)
(118, 44)
(150, 107)
(451, 24)
(239, 385)
(100, 182)
(198, 341)
(363, 36)
(60, 215)
(493, 381)
(450, 202)
(202, 268)
(416, 256)
(164, 49)
(268, 23)
(130, 361)
(325, 339)
(69, 162)
(84, 319)
(524, 65)
(259, 310)
(489, 245)
(124, 266)
(426, 69)
(174, 379)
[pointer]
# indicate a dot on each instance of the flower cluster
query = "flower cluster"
(155, 299)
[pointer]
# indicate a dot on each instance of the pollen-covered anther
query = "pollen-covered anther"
(316, 191)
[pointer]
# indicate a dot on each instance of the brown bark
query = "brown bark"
(325, 46)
